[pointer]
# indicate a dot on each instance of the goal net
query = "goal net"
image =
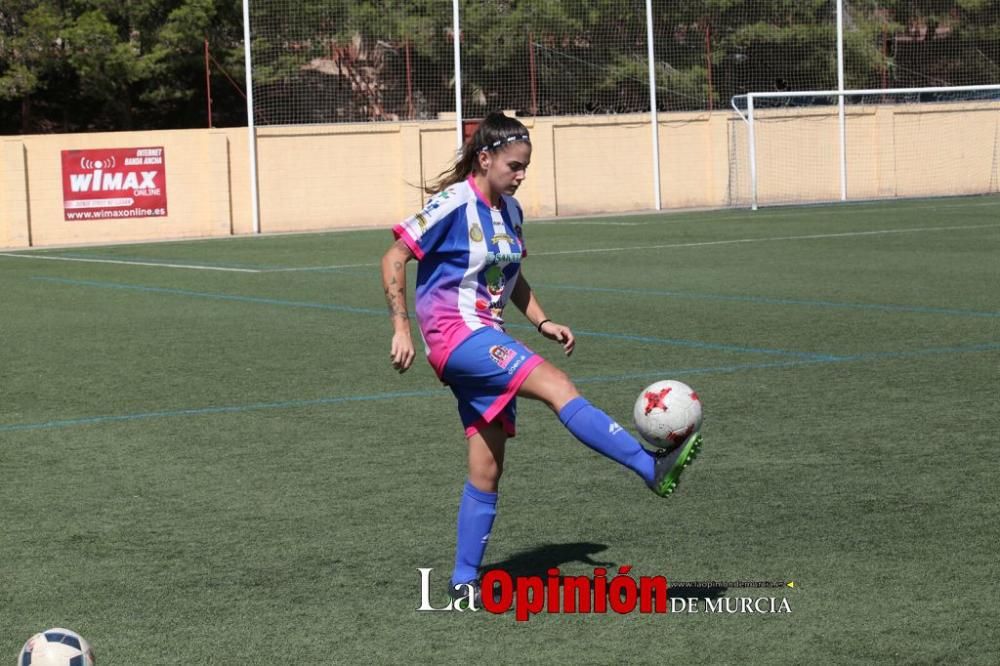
(797, 147)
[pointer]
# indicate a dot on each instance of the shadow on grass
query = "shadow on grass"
(538, 561)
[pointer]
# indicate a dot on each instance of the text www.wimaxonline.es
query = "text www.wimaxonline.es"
(110, 214)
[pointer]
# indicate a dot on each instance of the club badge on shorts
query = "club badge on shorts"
(501, 355)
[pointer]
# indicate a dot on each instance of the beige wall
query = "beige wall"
(892, 151)
(14, 223)
(325, 177)
(197, 166)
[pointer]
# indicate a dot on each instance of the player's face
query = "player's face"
(506, 168)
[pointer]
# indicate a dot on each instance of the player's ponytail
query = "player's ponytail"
(496, 131)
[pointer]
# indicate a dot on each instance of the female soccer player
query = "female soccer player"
(469, 243)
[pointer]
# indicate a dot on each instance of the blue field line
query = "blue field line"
(693, 344)
(652, 374)
(697, 344)
(203, 411)
(854, 358)
(880, 307)
(214, 296)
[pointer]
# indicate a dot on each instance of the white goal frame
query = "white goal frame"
(748, 117)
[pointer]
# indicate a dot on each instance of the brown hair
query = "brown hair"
(496, 131)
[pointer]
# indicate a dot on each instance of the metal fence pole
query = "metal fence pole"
(841, 113)
(251, 129)
(752, 140)
(652, 105)
(456, 26)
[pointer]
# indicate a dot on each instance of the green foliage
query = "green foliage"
(29, 50)
(99, 64)
(105, 64)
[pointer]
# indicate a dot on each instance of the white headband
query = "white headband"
(500, 142)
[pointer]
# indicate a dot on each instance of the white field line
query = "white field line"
(595, 223)
(680, 215)
(734, 241)
(846, 234)
(315, 268)
(131, 263)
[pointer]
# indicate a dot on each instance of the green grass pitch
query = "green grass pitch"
(207, 466)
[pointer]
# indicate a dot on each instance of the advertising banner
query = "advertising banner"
(101, 184)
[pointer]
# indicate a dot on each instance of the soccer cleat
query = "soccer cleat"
(459, 592)
(669, 465)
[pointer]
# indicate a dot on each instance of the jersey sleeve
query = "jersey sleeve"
(517, 219)
(425, 231)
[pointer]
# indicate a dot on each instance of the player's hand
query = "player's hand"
(401, 352)
(560, 334)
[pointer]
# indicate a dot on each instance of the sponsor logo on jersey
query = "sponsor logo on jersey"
(503, 257)
(421, 220)
(495, 281)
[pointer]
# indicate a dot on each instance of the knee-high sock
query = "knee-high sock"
(475, 520)
(600, 432)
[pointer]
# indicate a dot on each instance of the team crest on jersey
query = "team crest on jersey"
(476, 232)
(502, 356)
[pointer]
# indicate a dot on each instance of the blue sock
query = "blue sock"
(475, 520)
(600, 432)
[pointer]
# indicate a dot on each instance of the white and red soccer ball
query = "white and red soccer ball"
(56, 647)
(666, 413)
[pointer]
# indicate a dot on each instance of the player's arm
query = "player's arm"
(394, 283)
(524, 298)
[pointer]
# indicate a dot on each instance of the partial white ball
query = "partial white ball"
(666, 413)
(56, 647)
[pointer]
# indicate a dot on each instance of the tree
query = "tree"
(72, 65)
(98, 64)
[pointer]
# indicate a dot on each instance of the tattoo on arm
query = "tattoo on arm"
(395, 295)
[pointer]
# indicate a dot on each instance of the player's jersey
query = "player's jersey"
(469, 258)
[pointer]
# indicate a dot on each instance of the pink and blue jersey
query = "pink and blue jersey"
(469, 259)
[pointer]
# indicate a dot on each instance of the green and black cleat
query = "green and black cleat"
(461, 592)
(669, 465)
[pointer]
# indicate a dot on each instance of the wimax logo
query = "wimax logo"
(115, 181)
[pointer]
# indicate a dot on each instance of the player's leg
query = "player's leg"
(590, 425)
(587, 423)
(477, 510)
(486, 452)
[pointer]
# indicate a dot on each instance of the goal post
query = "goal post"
(799, 147)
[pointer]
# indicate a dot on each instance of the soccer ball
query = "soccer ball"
(56, 647)
(666, 413)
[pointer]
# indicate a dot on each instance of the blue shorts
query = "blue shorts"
(484, 372)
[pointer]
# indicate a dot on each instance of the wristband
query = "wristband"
(544, 321)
